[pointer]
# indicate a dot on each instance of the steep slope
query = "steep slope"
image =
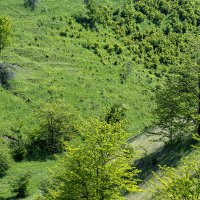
(49, 48)
(91, 57)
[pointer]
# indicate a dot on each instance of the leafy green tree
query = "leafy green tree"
(5, 159)
(115, 114)
(19, 185)
(179, 184)
(194, 51)
(96, 169)
(177, 103)
(5, 32)
(56, 125)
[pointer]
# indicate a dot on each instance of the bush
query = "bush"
(17, 144)
(179, 183)
(32, 4)
(5, 161)
(5, 32)
(55, 127)
(115, 114)
(5, 75)
(20, 185)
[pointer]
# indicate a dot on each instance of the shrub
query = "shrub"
(179, 183)
(20, 185)
(32, 4)
(5, 75)
(17, 143)
(5, 32)
(5, 161)
(55, 127)
(115, 114)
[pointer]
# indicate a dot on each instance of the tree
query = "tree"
(194, 50)
(182, 183)
(5, 159)
(19, 185)
(96, 169)
(55, 125)
(177, 103)
(5, 32)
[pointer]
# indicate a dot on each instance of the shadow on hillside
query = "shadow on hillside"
(86, 22)
(167, 155)
(8, 198)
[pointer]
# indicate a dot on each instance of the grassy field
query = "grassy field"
(55, 58)
(37, 170)
(49, 67)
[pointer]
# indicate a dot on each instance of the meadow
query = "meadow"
(58, 55)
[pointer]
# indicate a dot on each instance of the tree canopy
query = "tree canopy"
(98, 168)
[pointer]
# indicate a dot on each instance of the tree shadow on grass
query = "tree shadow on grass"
(8, 198)
(168, 155)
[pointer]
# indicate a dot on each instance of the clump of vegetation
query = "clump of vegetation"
(19, 185)
(181, 183)
(5, 160)
(115, 114)
(96, 168)
(32, 4)
(5, 32)
(5, 75)
(153, 35)
(126, 72)
(177, 103)
(56, 125)
(17, 144)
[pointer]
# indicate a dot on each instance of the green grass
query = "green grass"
(51, 67)
(55, 58)
(38, 171)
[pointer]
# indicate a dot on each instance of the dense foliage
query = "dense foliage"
(20, 185)
(97, 169)
(5, 32)
(181, 183)
(177, 104)
(5, 160)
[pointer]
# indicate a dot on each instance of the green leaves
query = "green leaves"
(98, 168)
(5, 32)
(178, 184)
(177, 102)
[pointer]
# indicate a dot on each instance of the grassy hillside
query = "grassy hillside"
(90, 59)
(51, 67)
